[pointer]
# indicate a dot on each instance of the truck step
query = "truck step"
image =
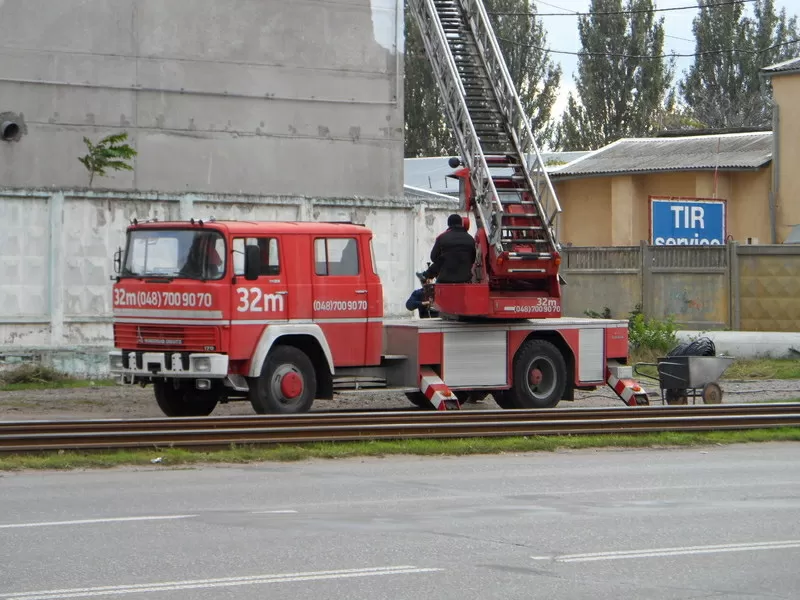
(386, 390)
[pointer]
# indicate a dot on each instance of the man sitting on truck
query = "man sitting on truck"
(418, 301)
(453, 254)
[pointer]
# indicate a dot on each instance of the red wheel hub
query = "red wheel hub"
(291, 385)
(535, 376)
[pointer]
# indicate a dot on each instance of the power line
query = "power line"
(613, 55)
(572, 13)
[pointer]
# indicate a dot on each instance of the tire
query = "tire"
(712, 393)
(540, 376)
(419, 400)
(287, 385)
(504, 399)
(184, 401)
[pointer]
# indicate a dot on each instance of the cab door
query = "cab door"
(257, 303)
(340, 297)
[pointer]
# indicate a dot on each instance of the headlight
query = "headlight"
(116, 361)
(202, 363)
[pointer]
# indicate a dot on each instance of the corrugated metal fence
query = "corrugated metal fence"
(752, 288)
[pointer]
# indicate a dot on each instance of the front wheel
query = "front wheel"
(287, 385)
(540, 376)
(184, 401)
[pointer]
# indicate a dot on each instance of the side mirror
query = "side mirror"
(252, 262)
(118, 260)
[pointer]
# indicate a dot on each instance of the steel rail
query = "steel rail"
(32, 436)
(360, 416)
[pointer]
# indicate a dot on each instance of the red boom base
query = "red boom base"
(477, 300)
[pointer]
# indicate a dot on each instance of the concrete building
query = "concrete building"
(267, 97)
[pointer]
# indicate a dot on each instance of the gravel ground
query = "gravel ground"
(135, 402)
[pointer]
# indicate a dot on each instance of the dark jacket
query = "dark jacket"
(414, 302)
(452, 256)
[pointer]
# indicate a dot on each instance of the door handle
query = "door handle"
(282, 293)
(361, 291)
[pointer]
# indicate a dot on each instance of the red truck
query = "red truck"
(282, 313)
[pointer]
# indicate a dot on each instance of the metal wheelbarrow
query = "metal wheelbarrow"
(684, 377)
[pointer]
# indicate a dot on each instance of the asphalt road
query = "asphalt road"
(721, 522)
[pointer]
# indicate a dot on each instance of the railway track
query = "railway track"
(217, 432)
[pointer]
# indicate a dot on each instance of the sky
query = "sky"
(562, 34)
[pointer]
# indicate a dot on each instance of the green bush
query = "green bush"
(644, 333)
(651, 334)
(32, 373)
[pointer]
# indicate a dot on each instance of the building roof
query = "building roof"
(431, 173)
(734, 151)
(787, 66)
(409, 191)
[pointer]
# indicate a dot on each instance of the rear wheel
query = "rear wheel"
(540, 376)
(712, 393)
(504, 399)
(184, 401)
(287, 385)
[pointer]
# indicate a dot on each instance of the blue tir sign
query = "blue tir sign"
(687, 222)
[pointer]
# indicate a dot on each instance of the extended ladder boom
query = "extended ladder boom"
(518, 212)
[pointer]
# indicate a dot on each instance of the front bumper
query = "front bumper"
(185, 365)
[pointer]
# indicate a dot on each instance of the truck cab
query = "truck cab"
(200, 305)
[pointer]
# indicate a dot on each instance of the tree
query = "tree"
(536, 76)
(722, 88)
(623, 80)
(108, 153)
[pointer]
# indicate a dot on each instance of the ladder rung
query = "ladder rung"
(530, 256)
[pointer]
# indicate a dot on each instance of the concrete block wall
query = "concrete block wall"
(57, 247)
(265, 97)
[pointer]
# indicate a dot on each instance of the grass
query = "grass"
(55, 385)
(39, 377)
(458, 447)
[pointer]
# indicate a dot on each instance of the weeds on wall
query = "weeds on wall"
(109, 153)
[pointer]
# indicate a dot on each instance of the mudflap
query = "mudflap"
(436, 391)
(620, 379)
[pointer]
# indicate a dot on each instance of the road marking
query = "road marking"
(93, 521)
(677, 551)
(274, 512)
(214, 583)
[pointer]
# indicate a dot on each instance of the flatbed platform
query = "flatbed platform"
(442, 325)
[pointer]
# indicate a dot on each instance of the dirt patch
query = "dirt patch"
(135, 402)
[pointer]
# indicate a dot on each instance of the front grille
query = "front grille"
(194, 338)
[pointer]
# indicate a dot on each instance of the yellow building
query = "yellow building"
(785, 79)
(691, 189)
(639, 189)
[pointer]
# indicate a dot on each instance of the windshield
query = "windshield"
(186, 253)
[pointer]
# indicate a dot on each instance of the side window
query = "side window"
(270, 258)
(336, 256)
(372, 256)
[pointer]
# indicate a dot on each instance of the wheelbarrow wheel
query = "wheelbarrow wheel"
(712, 394)
(676, 397)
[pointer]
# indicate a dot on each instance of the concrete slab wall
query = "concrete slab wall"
(56, 251)
(263, 97)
